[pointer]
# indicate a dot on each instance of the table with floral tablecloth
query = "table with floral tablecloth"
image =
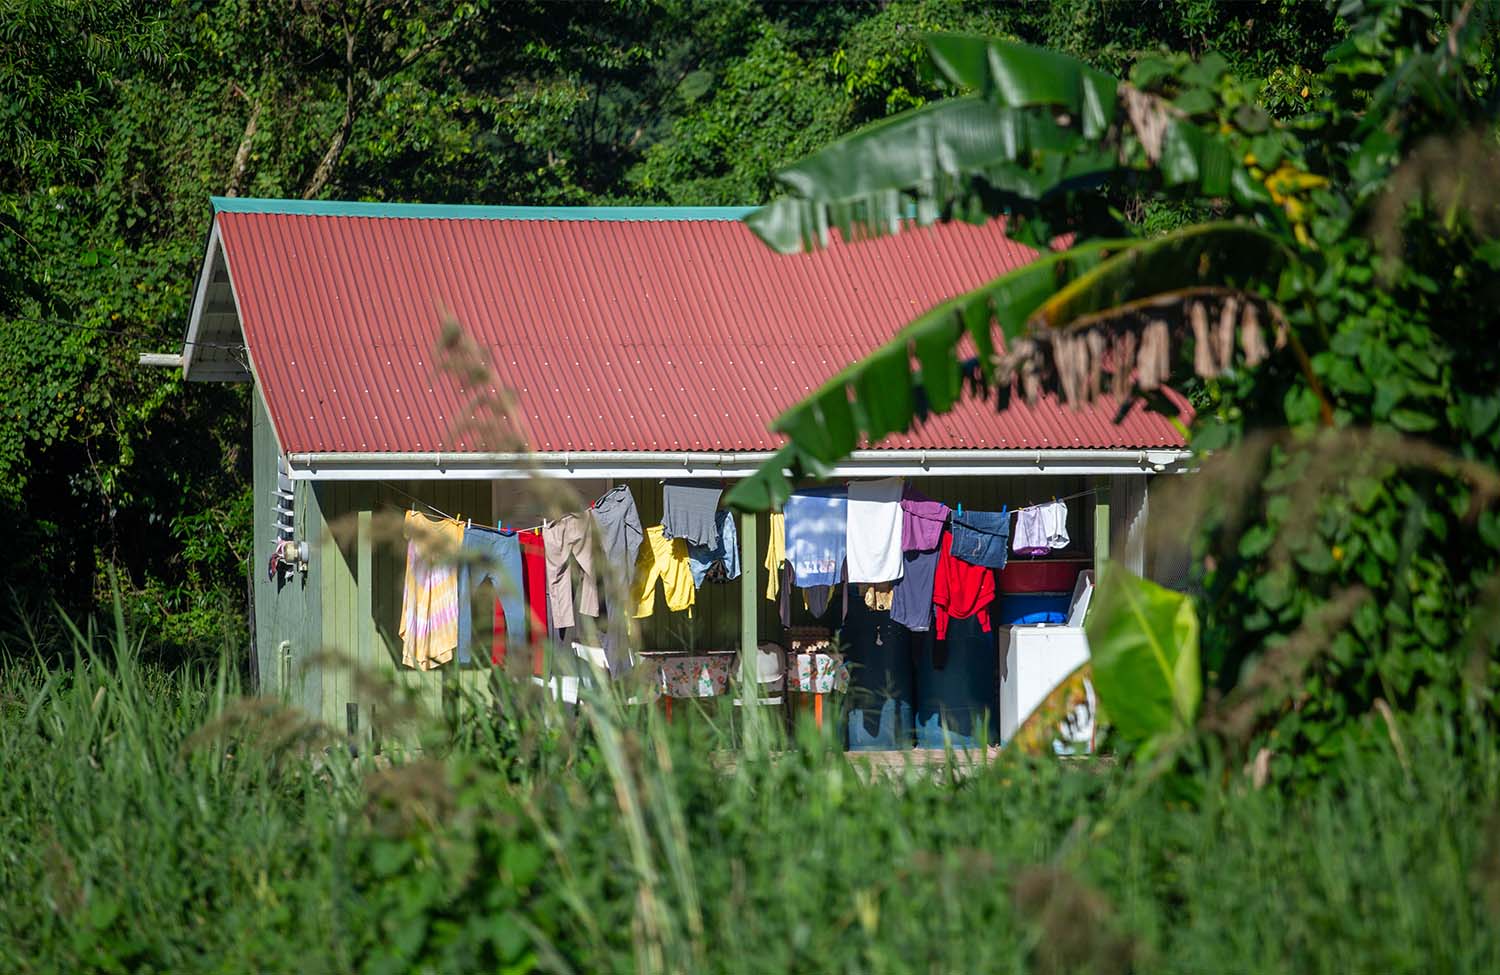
(694, 675)
(817, 673)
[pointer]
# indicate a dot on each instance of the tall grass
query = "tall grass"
(165, 821)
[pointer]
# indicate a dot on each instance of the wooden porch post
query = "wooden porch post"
(363, 651)
(749, 586)
(1101, 526)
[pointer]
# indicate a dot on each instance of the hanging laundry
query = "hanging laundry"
(775, 554)
(873, 530)
(980, 537)
(665, 559)
(1041, 529)
(922, 521)
(534, 580)
(1055, 524)
(911, 600)
(1031, 535)
(617, 524)
(960, 589)
(489, 555)
(877, 595)
(688, 511)
(569, 540)
(620, 534)
(815, 599)
(816, 535)
(499, 647)
(720, 562)
(429, 598)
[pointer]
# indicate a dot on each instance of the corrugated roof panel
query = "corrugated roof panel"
(650, 334)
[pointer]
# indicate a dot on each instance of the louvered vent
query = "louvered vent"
(283, 500)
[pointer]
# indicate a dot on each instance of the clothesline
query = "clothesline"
(439, 511)
(1069, 497)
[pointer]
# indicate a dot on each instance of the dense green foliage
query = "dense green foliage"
(159, 822)
(119, 118)
(155, 820)
(1352, 539)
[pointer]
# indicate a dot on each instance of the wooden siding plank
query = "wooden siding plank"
(365, 579)
(308, 640)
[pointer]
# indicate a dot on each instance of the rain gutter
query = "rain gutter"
(340, 466)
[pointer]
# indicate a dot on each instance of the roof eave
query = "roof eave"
(200, 297)
(337, 466)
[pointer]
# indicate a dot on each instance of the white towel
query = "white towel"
(1055, 524)
(1030, 536)
(874, 530)
(1040, 528)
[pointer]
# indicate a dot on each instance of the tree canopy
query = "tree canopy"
(121, 118)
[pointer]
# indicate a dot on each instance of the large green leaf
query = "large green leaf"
(1018, 75)
(1143, 645)
(1041, 132)
(923, 164)
(819, 427)
(1220, 254)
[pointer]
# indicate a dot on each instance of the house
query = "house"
(639, 344)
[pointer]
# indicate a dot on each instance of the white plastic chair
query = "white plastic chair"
(1083, 591)
(770, 677)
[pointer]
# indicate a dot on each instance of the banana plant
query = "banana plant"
(1034, 141)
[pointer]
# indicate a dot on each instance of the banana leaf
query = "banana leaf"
(1015, 74)
(877, 395)
(1222, 254)
(923, 165)
(1143, 648)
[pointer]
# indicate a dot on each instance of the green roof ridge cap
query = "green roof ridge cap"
(467, 211)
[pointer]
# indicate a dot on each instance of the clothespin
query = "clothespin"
(960, 508)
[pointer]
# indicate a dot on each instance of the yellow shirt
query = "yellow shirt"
(775, 554)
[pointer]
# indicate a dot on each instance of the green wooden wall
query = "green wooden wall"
(288, 610)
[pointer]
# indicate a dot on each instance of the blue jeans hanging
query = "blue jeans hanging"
(980, 537)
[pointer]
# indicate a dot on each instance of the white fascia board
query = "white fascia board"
(677, 464)
(200, 297)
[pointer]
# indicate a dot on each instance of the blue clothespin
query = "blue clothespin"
(960, 508)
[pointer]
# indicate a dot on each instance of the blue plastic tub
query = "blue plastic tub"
(1014, 607)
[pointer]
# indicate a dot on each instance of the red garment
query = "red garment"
(960, 590)
(534, 582)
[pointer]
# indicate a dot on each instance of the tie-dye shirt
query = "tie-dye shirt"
(429, 600)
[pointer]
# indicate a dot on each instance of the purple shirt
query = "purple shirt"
(921, 521)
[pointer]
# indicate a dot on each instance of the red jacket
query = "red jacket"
(959, 590)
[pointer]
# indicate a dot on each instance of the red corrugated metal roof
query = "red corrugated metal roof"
(615, 334)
